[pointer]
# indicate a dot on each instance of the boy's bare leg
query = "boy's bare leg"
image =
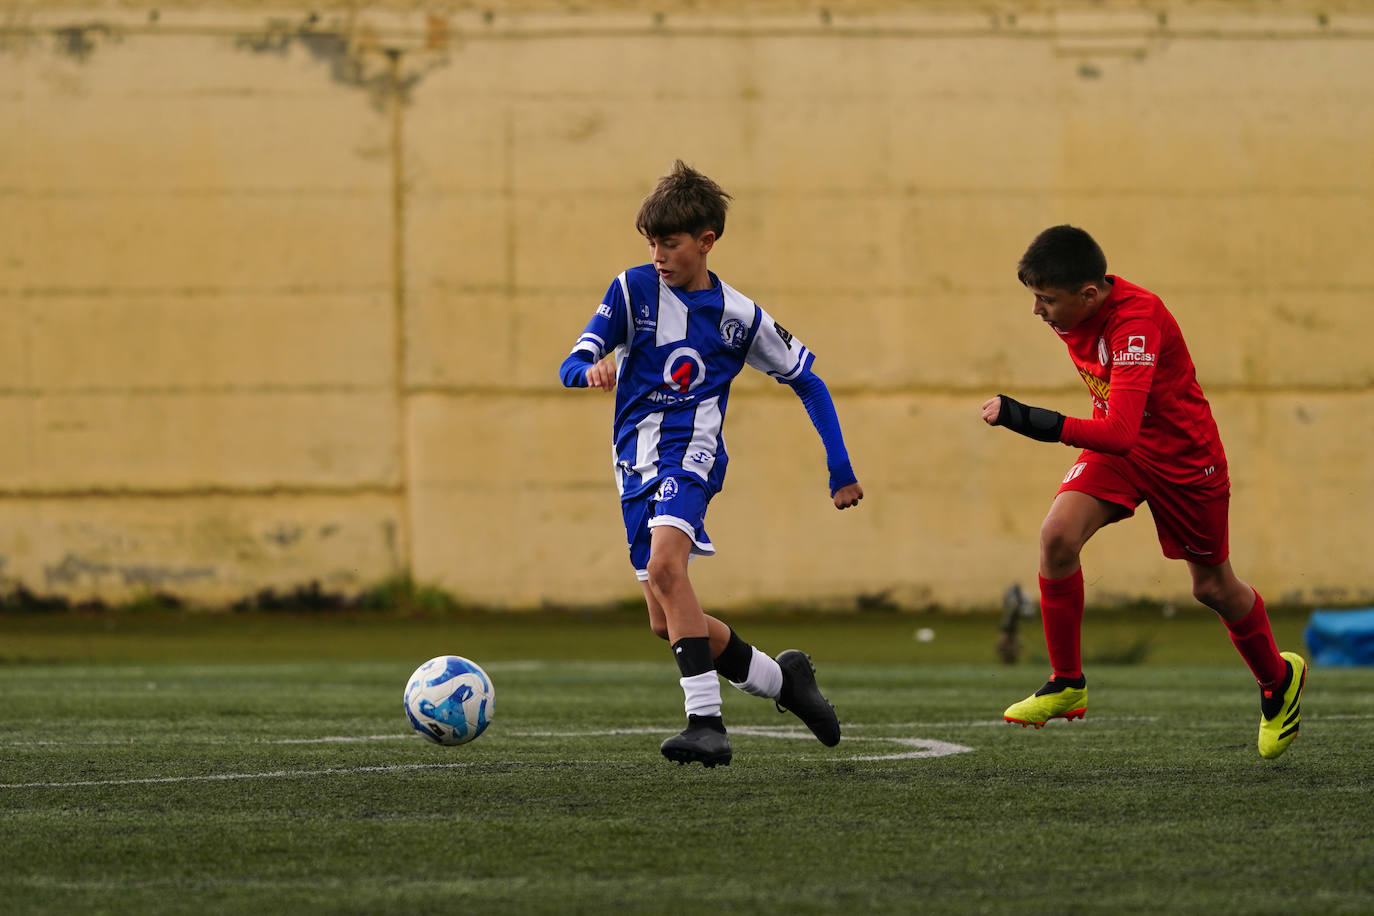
(718, 631)
(669, 550)
(672, 598)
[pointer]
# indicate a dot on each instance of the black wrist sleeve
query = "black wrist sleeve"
(1035, 422)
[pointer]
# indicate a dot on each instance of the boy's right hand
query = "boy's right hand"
(602, 375)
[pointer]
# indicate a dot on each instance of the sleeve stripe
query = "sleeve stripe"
(804, 360)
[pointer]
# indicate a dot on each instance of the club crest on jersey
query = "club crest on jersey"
(666, 490)
(684, 370)
(1103, 357)
(733, 333)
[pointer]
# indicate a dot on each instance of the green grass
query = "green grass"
(260, 764)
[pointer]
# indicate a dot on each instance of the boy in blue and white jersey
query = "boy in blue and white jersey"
(679, 336)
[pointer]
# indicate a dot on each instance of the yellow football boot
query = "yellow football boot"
(1281, 710)
(1056, 700)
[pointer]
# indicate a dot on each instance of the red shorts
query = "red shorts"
(1191, 521)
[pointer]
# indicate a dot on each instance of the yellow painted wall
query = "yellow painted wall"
(283, 293)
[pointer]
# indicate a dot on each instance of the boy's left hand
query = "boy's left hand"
(845, 497)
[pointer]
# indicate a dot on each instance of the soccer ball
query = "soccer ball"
(450, 700)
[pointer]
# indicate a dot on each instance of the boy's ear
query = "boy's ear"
(706, 240)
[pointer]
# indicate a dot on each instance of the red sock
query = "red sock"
(1061, 612)
(1255, 642)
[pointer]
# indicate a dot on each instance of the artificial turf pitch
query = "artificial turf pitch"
(260, 764)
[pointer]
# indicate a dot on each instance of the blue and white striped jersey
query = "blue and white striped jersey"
(677, 353)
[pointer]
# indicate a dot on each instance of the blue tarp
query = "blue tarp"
(1341, 637)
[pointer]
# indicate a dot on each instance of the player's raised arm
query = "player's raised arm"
(1035, 422)
(1114, 434)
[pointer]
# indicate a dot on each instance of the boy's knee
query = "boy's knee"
(663, 574)
(1057, 545)
(660, 628)
(1211, 592)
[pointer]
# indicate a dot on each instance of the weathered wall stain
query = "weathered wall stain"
(81, 573)
(80, 41)
(355, 56)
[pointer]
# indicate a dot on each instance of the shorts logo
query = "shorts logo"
(666, 490)
(1076, 470)
(733, 333)
(684, 370)
(785, 334)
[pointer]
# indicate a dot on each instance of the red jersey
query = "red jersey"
(1147, 404)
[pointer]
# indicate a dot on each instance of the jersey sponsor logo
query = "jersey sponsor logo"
(1074, 471)
(1135, 352)
(1099, 388)
(604, 311)
(666, 490)
(644, 321)
(663, 397)
(733, 333)
(785, 334)
(684, 370)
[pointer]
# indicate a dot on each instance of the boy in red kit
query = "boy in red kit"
(1151, 439)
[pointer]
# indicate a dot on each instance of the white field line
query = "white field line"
(232, 777)
(849, 728)
(915, 748)
(911, 748)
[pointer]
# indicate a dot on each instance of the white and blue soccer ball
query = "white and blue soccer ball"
(450, 700)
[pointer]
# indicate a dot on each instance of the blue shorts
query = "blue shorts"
(680, 502)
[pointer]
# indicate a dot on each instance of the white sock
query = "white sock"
(765, 677)
(702, 694)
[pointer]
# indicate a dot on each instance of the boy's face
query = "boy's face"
(1064, 309)
(681, 258)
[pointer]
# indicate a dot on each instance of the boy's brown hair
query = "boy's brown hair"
(684, 200)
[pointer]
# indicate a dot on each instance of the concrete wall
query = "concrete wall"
(283, 293)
